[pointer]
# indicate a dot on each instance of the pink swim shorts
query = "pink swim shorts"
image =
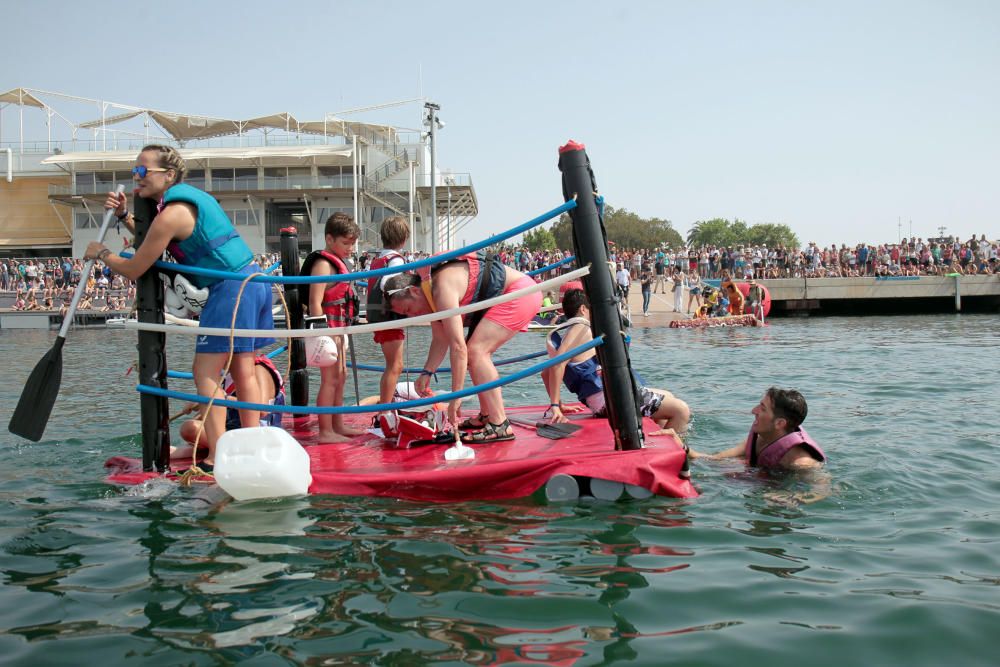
(516, 314)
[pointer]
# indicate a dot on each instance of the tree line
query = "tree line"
(630, 230)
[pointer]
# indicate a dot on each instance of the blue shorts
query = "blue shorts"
(254, 313)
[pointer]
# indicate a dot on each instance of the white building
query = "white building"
(268, 173)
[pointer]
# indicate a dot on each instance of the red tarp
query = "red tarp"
(371, 466)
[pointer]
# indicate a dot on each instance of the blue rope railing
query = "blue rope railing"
(376, 273)
(379, 407)
(543, 269)
(190, 376)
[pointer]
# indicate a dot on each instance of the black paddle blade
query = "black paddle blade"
(556, 431)
(39, 395)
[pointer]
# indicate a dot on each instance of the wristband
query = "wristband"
(427, 373)
(123, 216)
(554, 405)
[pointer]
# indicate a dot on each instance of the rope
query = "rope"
(382, 407)
(376, 273)
(501, 362)
(366, 328)
(194, 470)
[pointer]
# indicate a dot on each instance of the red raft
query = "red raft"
(373, 466)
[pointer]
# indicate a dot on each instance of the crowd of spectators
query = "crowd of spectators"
(47, 284)
(909, 257)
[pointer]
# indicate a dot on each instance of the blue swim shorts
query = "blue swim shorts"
(254, 313)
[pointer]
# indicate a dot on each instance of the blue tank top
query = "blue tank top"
(580, 378)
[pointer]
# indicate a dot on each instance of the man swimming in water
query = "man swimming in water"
(777, 439)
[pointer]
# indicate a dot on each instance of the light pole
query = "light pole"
(432, 122)
(449, 181)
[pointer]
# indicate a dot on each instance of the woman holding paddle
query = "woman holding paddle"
(192, 226)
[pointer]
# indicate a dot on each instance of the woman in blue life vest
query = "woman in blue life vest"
(193, 227)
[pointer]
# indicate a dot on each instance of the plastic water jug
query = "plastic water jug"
(261, 462)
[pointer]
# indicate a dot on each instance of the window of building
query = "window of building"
(84, 182)
(300, 177)
(275, 178)
(196, 178)
(246, 179)
(241, 217)
(223, 179)
(82, 220)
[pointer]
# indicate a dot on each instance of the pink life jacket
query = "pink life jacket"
(770, 456)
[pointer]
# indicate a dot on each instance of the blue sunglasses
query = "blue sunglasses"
(141, 171)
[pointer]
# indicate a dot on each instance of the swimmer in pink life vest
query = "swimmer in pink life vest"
(776, 439)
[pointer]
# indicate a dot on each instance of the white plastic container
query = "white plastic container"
(261, 462)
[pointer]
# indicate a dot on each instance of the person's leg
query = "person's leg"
(247, 388)
(206, 369)
(336, 392)
(392, 350)
(486, 340)
(672, 413)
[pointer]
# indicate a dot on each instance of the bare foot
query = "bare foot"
(667, 431)
(332, 436)
(351, 431)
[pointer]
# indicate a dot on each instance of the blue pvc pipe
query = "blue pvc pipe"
(377, 273)
(379, 407)
(190, 376)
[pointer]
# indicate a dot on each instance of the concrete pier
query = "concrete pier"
(903, 294)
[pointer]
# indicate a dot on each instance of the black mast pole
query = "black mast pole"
(590, 243)
(152, 353)
(299, 380)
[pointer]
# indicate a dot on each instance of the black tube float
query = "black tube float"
(590, 245)
(299, 375)
(154, 410)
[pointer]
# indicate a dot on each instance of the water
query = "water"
(899, 565)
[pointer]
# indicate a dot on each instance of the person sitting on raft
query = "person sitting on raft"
(734, 295)
(459, 282)
(777, 439)
(581, 374)
(271, 384)
(191, 224)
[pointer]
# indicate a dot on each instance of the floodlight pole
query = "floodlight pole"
(432, 121)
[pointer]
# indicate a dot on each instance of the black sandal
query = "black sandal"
(490, 433)
(474, 423)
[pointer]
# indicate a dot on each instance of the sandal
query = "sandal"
(474, 423)
(490, 433)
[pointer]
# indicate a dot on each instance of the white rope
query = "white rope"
(173, 319)
(364, 328)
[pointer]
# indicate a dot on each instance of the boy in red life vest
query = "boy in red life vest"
(394, 232)
(777, 439)
(333, 305)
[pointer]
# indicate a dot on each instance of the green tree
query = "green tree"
(625, 228)
(771, 235)
(539, 238)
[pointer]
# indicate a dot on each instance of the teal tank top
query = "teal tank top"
(215, 243)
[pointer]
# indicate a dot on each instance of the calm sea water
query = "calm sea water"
(900, 565)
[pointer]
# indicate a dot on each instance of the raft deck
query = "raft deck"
(370, 465)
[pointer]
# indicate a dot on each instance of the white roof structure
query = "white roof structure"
(203, 154)
(183, 127)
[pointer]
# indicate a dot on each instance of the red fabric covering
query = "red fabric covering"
(744, 289)
(372, 466)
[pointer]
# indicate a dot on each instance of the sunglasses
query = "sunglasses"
(390, 292)
(141, 171)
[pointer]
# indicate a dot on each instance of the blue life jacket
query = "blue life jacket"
(214, 243)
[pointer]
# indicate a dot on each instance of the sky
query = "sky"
(847, 121)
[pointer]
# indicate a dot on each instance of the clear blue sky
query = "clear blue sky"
(835, 118)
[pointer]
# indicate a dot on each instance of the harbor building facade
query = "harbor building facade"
(268, 173)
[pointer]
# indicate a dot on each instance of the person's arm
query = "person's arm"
(732, 452)
(448, 334)
(119, 202)
(316, 290)
(175, 221)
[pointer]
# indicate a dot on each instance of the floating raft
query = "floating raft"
(370, 465)
(727, 321)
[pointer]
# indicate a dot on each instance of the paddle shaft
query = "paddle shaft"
(87, 268)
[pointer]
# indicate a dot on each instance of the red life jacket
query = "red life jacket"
(279, 384)
(475, 261)
(340, 301)
(375, 308)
